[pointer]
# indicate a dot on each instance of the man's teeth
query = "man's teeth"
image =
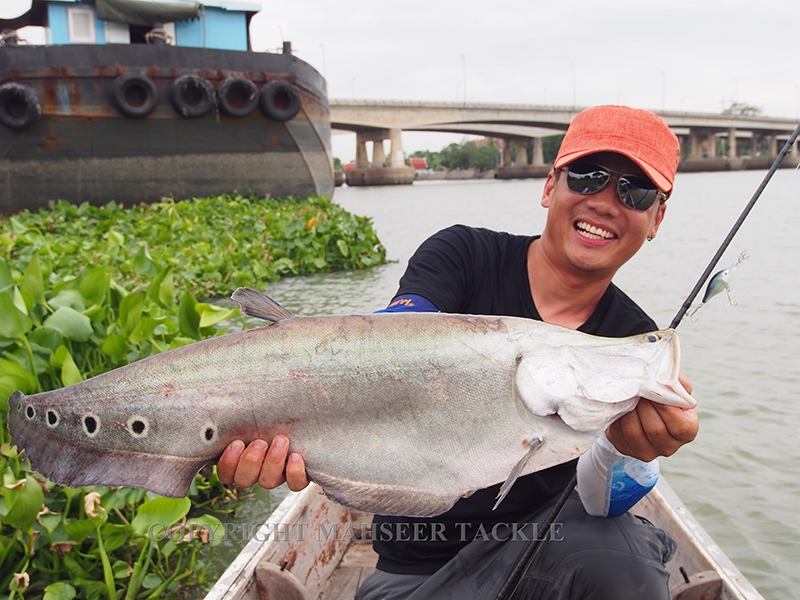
(591, 231)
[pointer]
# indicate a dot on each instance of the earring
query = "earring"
(651, 237)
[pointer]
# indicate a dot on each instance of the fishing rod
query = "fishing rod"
(531, 551)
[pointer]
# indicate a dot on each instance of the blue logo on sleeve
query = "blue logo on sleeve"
(410, 303)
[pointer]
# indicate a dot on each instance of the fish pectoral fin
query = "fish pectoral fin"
(257, 304)
(535, 443)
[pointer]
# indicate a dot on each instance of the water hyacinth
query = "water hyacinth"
(84, 289)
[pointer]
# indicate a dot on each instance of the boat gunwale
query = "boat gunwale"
(238, 578)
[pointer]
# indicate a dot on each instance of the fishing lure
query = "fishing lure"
(721, 281)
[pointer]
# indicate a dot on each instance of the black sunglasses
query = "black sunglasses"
(633, 191)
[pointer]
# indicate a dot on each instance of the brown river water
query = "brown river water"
(741, 477)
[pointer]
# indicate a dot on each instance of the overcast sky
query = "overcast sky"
(679, 54)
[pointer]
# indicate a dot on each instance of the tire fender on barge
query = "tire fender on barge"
(193, 96)
(279, 101)
(19, 105)
(237, 96)
(134, 94)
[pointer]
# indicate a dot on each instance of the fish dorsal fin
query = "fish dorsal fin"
(256, 304)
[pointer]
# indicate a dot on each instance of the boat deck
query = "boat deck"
(313, 549)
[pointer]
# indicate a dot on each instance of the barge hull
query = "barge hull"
(82, 149)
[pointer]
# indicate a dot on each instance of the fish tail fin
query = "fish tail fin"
(66, 462)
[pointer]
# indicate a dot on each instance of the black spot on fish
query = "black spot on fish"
(30, 412)
(52, 418)
(138, 427)
(209, 434)
(90, 424)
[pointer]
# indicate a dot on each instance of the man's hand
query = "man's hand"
(653, 430)
(267, 464)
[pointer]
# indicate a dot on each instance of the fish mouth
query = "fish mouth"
(668, 386)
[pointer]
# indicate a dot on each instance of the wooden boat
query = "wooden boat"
(281, 562)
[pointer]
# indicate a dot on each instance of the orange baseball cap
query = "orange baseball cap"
(638, 134)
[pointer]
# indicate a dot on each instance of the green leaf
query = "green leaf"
(13, 323)
(121, 569)
(159, 513)
(188, 318)
(32, 281)
(150, 581)
(79, 529)
(6, 280)
(130, 311)
(59, 591)
(211, 314)
(116, 347)
(115, 536)
(68, 297)
(25, 503)
(70, 374)
(93, 285)
(162, 289)
(13, 377)
(70, 323)
(343, 247)
(50, 522)
(143, 262)
(45, 338)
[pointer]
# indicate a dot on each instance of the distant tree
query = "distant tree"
(455, 156)
(741, 109)
(337, 164)
(484, 157)
(550, 146)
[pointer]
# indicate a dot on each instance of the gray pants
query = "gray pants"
(586, 558)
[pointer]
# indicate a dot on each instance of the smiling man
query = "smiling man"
(605, 196)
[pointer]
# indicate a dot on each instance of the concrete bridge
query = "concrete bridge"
(709, 141)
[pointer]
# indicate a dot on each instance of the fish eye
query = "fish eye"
(652, 338)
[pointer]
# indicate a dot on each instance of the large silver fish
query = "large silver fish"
(399, 414)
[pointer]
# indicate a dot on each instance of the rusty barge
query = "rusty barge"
(136, 116)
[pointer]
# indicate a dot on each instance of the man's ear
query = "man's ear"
(662, 209)
(549, 186)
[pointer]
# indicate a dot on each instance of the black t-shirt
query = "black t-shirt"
(478, 271)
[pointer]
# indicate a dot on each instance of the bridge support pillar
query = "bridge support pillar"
(538, 153)
(378, 154)
(506, 153)
(703, 153)
(396, 157)
(521, 169)
(694, 146)
(732, 143)
(521, 159)
(362, 162)
(378, 173)
(772, 150)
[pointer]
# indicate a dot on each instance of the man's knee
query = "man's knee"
(597, 558)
